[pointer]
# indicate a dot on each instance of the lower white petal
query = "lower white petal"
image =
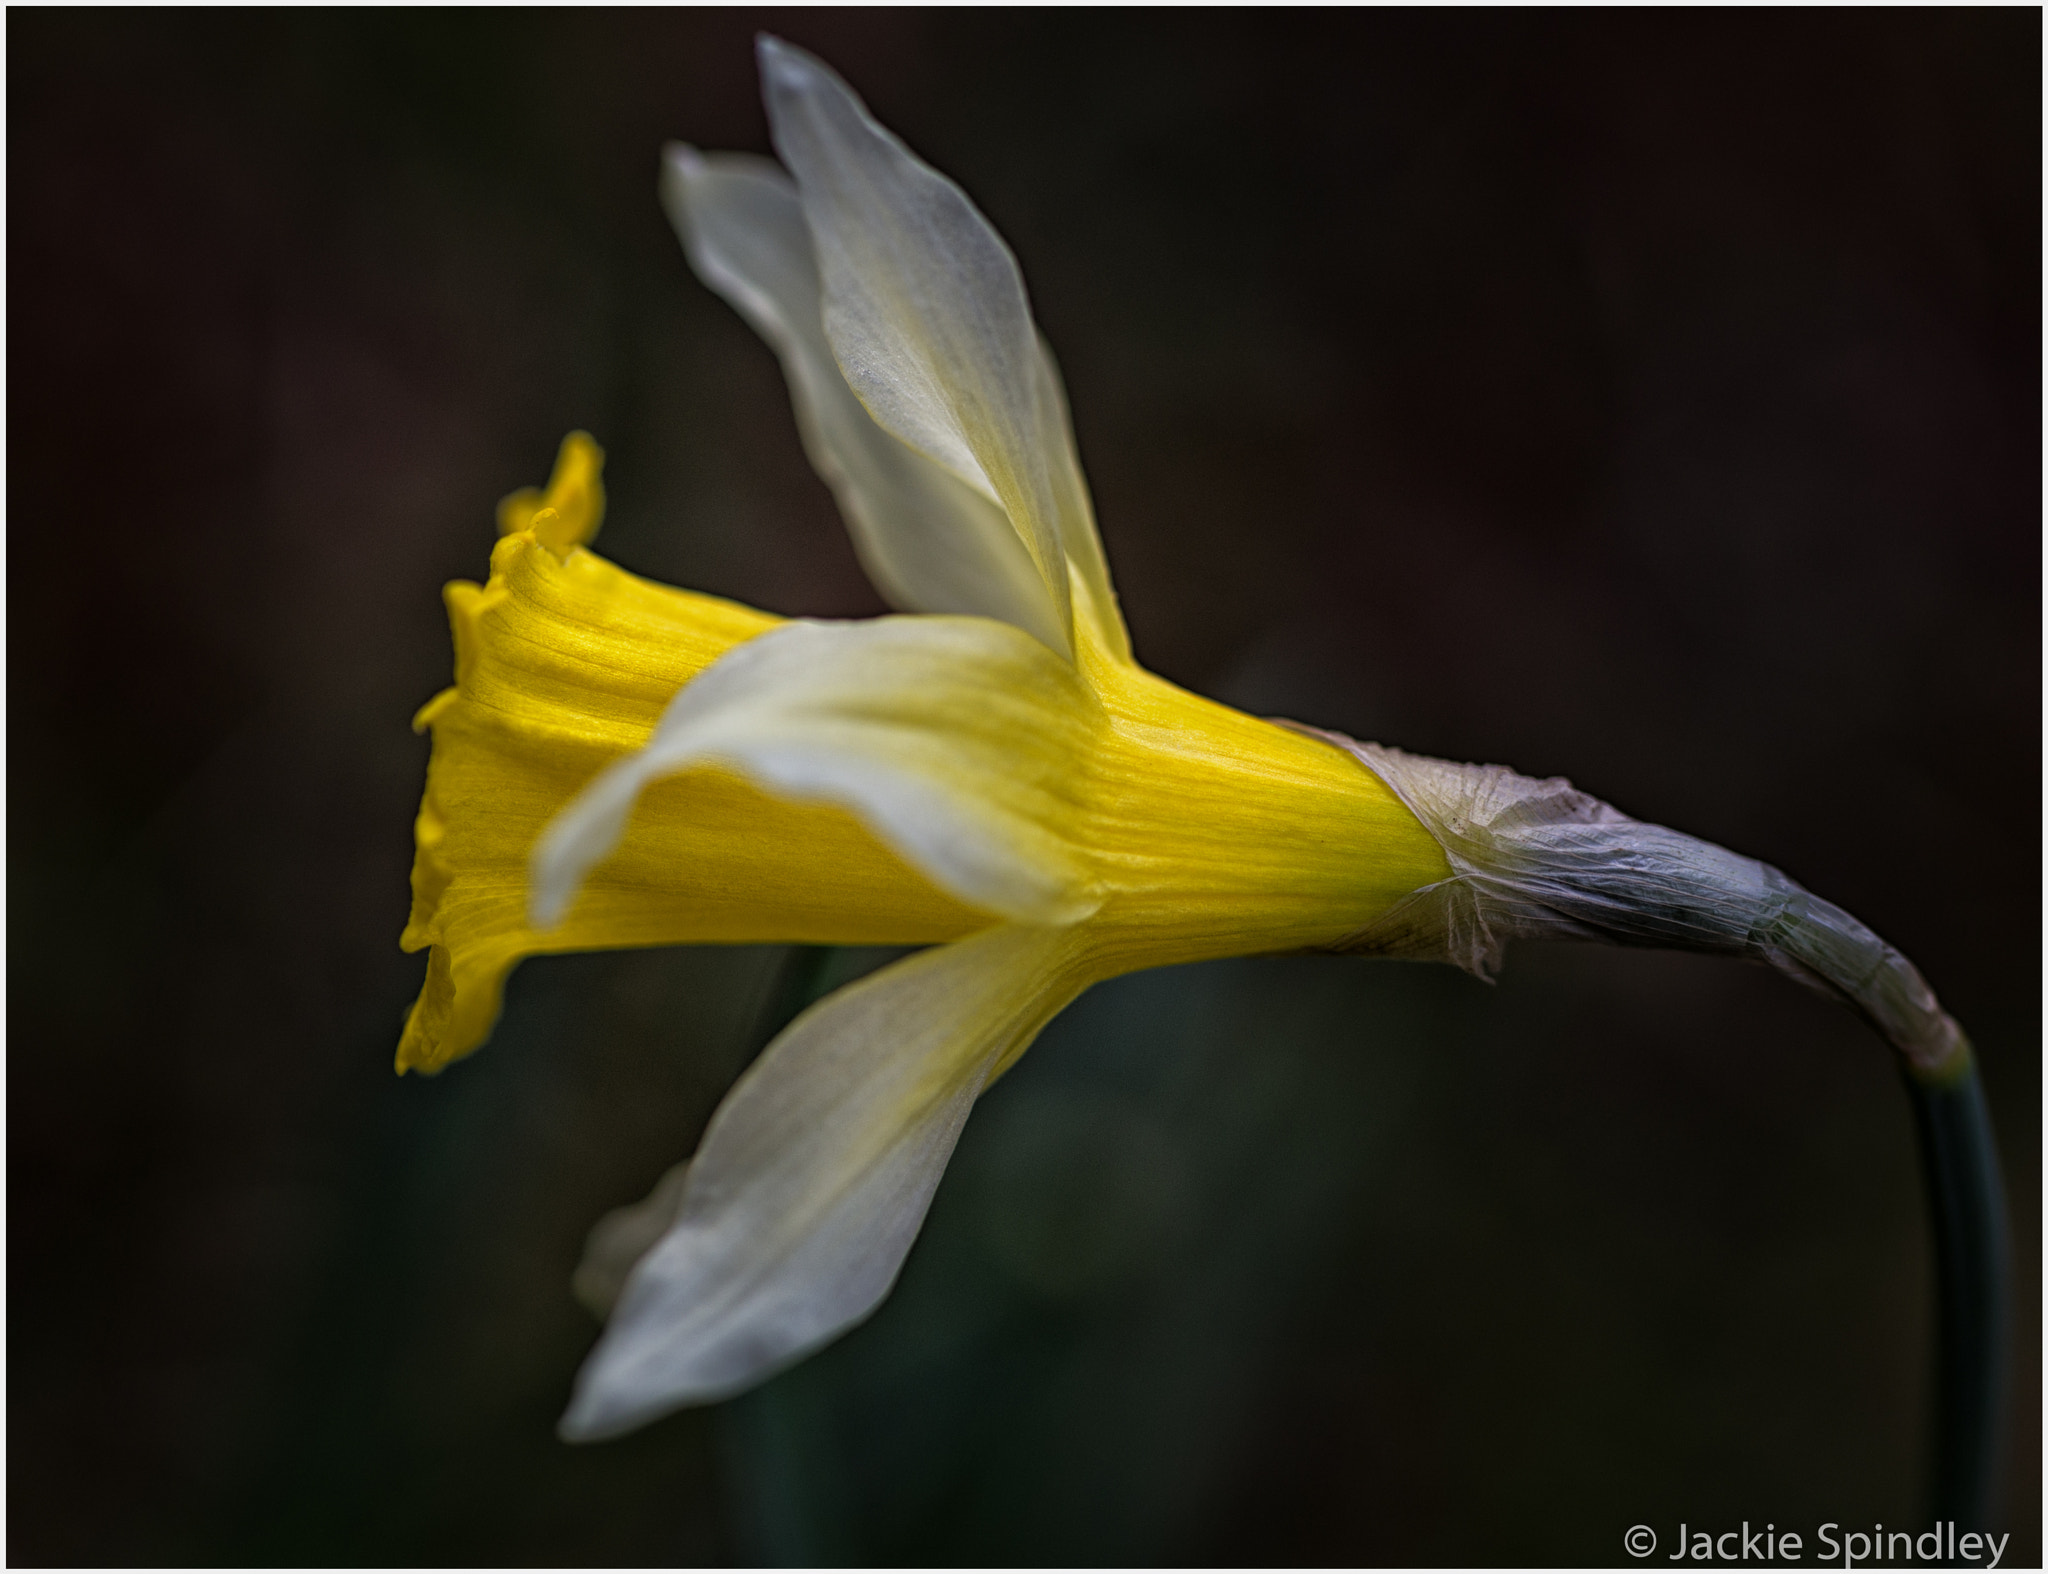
(622, 1237)
(815, 1174)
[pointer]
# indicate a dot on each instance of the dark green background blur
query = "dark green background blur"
(1650, 398)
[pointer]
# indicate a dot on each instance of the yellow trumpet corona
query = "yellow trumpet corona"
(1197, 831)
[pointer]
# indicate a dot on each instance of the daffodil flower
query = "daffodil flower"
(993, 777)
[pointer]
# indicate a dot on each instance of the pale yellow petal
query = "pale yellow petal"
(960, 741)
(929, 541)
(1095, 603)
(623, 1236)
(815, 1174)
(926, 313)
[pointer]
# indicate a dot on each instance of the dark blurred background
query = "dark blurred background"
(1653, 398)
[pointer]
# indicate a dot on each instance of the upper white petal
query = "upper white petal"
(958, 741)
(815, 1175)
(930, 541)
(925, 311)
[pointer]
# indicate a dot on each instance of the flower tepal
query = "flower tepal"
(990, 773)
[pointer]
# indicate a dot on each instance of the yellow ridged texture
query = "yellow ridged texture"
(1217, 833)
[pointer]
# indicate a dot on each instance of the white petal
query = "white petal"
(929, 541)
(926, 313)
(957, 740)
(622, 1237)
(1098, 604)
(815, 1174)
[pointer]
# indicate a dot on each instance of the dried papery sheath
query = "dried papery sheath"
(1540, 860)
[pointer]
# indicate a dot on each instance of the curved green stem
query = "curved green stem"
(798, 983)
(1966, 1202)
